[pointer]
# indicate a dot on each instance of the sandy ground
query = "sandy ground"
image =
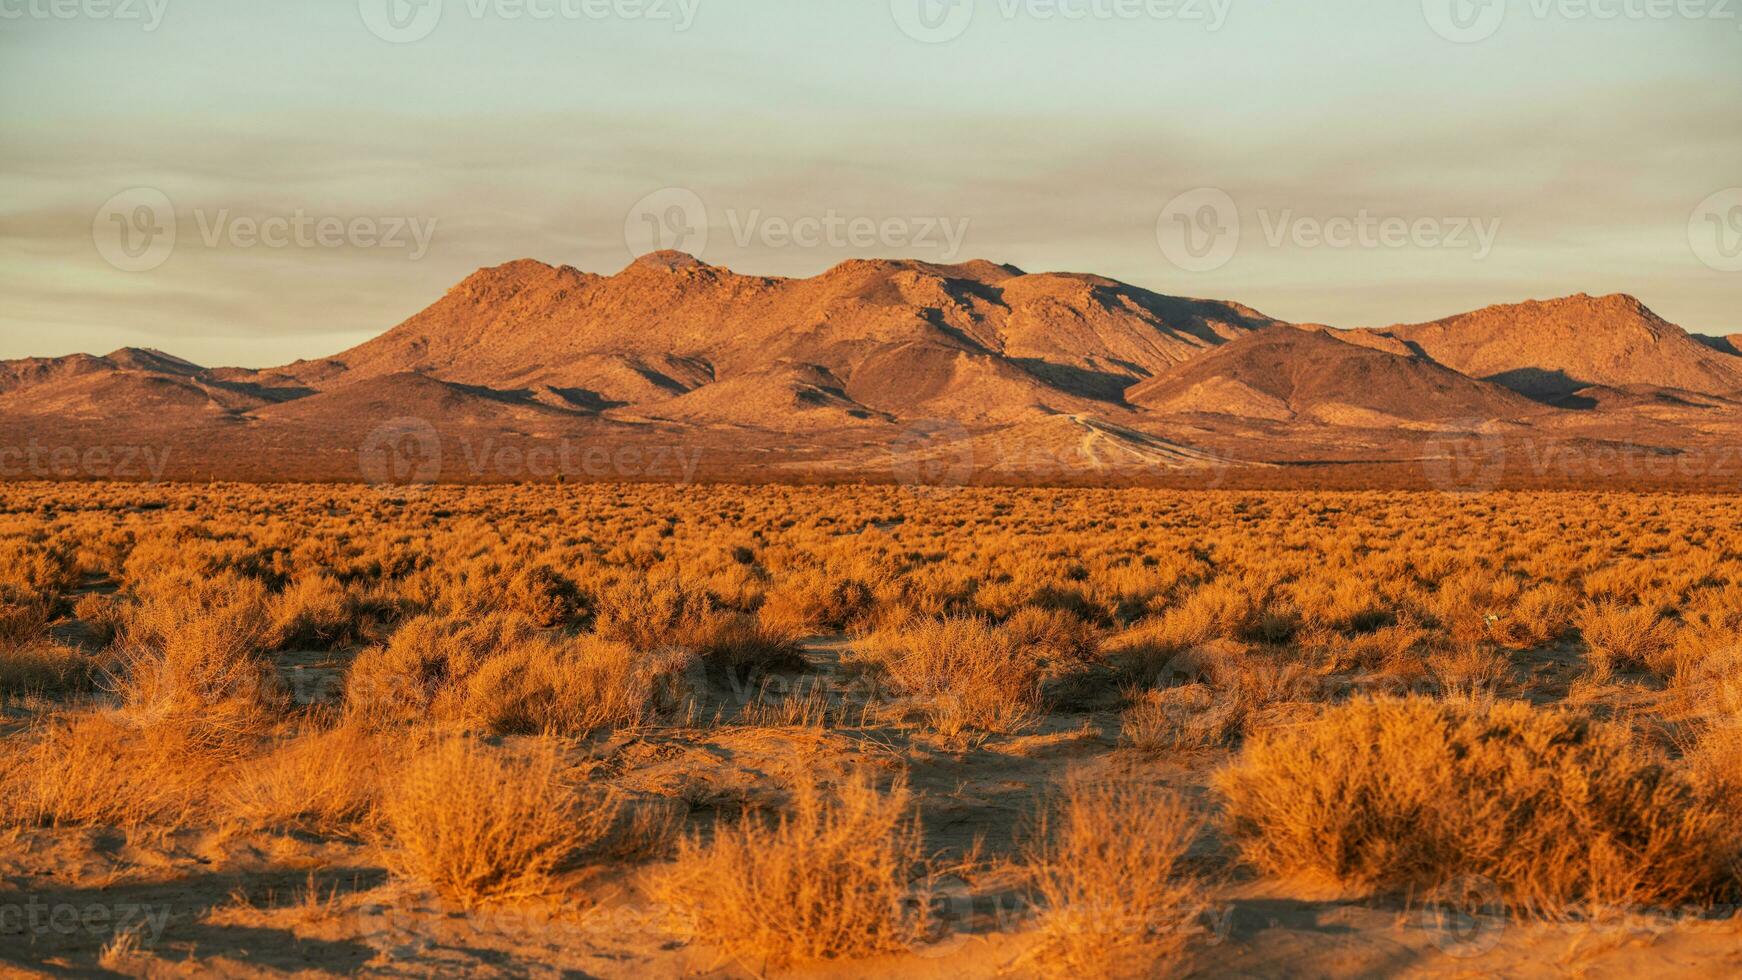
(212, 903)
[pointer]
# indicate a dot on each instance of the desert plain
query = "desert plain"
(629, 730)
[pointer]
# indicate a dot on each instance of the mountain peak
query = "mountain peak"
(1548, 349)
(667, 260)
(151, 359)
(516, 274)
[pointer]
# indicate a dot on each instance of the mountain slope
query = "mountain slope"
(527, 322)
(892, 369)
(1551, 349)
(1292, 373)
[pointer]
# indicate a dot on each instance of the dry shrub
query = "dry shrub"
(316, 612)
(99, 769)
(830, 878)
(1184, 717)
(1057, 636)
(544, 595)
(1715, 759)
(570, 687)
(484, 825)
(24, 616)
(1470, 668)
(1542, 615)
(650, 616)
(501, 675)
(1257, 681)
(103, 616)
(323, 781)
(44, 667)
(194, 654)
(1109, 869)
(1339, 601)
(1390, 649)
(742, 642)
(1407, 794)
(1627, 637)
(814, 600)
(963, 673)
(1709, 679)
(1217, 611)
(401, 679)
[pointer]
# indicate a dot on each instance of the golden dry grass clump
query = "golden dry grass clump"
(1109, 868)
(1186, 717)
(483, 825)
(1555, 807)
(832, 877)
(1625, 637)
(669, 615)
(961, 674)
(193, 652)
(500, 674)
(102, 769)
(326, 780)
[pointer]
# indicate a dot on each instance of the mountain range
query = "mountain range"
(900, 370)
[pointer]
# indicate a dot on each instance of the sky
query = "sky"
(247, 182)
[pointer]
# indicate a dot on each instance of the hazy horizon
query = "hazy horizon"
(1552, 152)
